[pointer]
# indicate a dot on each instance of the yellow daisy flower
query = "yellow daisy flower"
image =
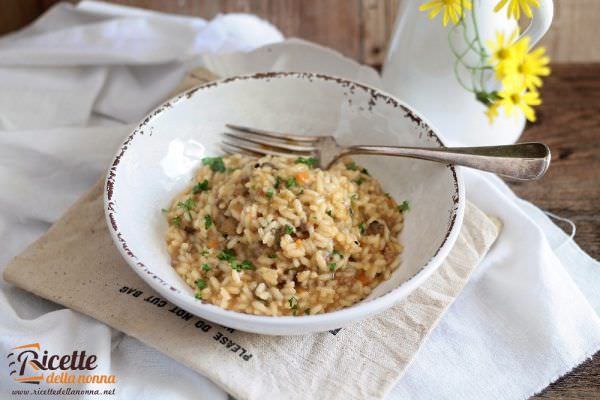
(492, 112)
(453, 9)
(529, 67)
(515, 6)
(514, 95)
(504, 53)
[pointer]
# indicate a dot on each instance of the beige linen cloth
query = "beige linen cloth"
(76, 264)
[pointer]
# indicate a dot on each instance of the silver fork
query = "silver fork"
(524, 161)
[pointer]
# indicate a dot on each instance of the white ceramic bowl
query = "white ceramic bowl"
(160, 156)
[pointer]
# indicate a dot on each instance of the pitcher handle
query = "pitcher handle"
(540, 23)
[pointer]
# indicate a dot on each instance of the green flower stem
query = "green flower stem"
(473, 46)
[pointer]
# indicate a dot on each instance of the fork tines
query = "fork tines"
(258, 142)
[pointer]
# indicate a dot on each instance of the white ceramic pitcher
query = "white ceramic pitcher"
(419, 69)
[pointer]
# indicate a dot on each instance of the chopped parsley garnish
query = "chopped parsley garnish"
(240, 266)
(188, 205)
(332, 266)
(351, 166)
(198, 295)
(201, 284)
(354, 197)
(216, 163)
(310, 161)
(351, 211)
(270, 192)
(207, 221)
(246, 265)
(226, 255)
(389, 196)
(405, 206)
(164, 210)
(289, 229)
(362, 228)
(365, 171)
(335, 252)
(293, 302)
(307, 311)
(360, 181)
(204, 252)
(330, 213)
(277, 182)
(176, 221)
(291, 182)
(200, 187)
(206, 267)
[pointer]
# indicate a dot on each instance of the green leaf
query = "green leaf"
(330, 213)
(176, 221)
(277, 182)
(332, 266)
(291, 182)
(200, 187)
(226, 255)
(201, 284)
(365, 171)
(206, 267)
(362, 228)
(359, 181)
(405, 206)
(487, 98)
(207, 221)
(351, 166)
(270, 192)
(289, 229)
(187, 205)
(216, 163)
(310, 161)
(246, 265)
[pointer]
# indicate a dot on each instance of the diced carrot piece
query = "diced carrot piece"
(298, 242)
(363, 278)
(213, 243)
(302, 177)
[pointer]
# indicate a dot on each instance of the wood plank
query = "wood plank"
(374, 31)
(573, 36)
(16, 14)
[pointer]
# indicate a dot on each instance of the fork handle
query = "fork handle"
(524, 161)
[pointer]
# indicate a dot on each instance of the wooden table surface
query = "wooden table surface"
(568, 120)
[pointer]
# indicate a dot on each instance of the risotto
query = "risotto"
(278, 236)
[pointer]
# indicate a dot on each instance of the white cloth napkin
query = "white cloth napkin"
(70, 84)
